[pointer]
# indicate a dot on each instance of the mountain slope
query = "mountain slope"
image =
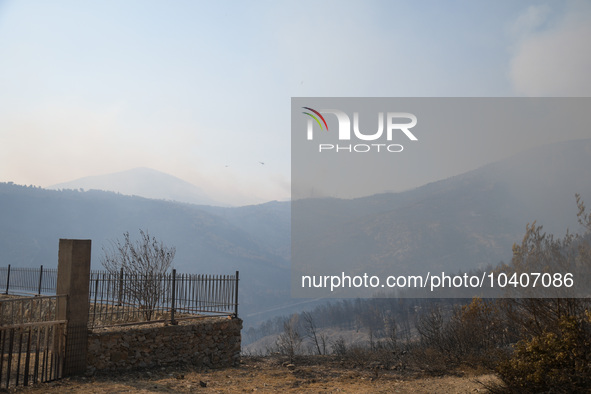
(144, 182)
(465, 222)
(33, 220)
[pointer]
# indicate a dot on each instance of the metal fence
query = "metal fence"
(27, 310)
(118, 298)
(28, 280)
(122, 298)
(32, 340)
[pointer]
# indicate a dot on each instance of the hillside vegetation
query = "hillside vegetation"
(534, 344)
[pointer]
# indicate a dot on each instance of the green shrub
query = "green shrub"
(557, 361)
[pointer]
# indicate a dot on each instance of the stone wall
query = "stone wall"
(212, 342)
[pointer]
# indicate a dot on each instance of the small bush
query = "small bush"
(553, 361)
(473, 334)
(339, 347)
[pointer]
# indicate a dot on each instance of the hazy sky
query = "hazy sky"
(201, 90)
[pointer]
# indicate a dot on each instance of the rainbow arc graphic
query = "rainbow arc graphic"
(315, 118)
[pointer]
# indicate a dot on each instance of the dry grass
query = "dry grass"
(316, 374)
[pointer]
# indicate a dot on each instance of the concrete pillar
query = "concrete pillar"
(73, 276)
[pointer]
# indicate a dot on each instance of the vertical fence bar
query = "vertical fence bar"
(209, 291)
(214, 295)
(191, 301)
(226, 303)
(7, 279)
(95, 295)
(28, 358)
(55, 337)
(120, 287)
(111, 289)
(236, 297)
(172, 305)
(182, 292)
(20, 352)
(9, 363)
(3, 339)
(103, 313)
(45, 361)
(206, 292)
(36, 368)
(198, 293)
(229, 294)
(211, 297)
(40, 279)
(60, 353)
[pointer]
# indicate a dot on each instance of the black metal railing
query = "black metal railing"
(32, 340)
(27, 310)
(28, 280)
(123, 298)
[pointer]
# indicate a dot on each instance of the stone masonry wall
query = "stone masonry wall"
(212, 342)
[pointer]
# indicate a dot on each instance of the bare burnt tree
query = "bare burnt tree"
(431, 327)
(289, 341)
(143, 264)
(316, 337)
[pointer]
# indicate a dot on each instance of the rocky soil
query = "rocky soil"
(319, 374)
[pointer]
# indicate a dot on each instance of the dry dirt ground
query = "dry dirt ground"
(270, 375)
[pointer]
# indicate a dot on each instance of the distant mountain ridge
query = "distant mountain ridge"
(143, 182)
(34, 219)
(464, 222)
(469, 220)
